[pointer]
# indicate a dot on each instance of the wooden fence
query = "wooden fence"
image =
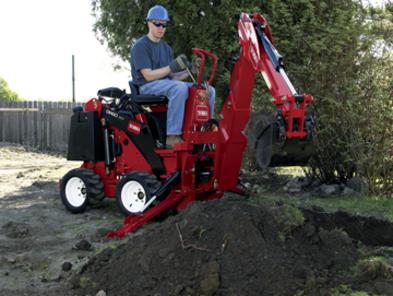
(39, 124)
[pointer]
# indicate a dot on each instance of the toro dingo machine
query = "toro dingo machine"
(121, 137)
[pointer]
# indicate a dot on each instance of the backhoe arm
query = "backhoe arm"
(258, 54)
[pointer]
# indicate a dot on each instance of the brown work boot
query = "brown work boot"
(172, 140)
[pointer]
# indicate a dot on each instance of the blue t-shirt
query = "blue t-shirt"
(146, 54)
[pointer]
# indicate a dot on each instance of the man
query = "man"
(156, 72)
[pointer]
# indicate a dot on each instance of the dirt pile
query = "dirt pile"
(224, 248)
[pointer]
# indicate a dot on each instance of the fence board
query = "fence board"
(36, 123)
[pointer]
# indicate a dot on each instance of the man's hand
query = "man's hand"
(179, 64)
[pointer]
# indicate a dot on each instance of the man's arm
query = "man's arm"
(151, 75)
(175, 66)
(179, 75)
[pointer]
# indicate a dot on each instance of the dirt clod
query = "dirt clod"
(16, 229)
(83, 245)
(66, 266)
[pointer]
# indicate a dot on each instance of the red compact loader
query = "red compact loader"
(121, 137)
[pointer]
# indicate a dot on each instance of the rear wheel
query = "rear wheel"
(134, 191)
(80, 188)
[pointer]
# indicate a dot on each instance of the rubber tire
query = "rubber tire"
(149, 183)
(94, 189)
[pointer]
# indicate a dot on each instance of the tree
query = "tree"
(6, 94)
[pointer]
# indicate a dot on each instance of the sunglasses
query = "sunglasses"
(158, 24)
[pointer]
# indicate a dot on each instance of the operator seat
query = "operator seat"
(156, 112)
(145, 99)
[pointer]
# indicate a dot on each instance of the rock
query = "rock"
(348, 191)
(293, 184)
(11, 260)
(83, 245)
(306, 195)
(294, 190)
(20, 175)
(328, 190)
(247, 185)
(22, 258)
(66, 266)
(315, 183)
(359, 184)
(101, 293)
(261, 190)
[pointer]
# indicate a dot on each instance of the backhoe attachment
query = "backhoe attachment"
(285, 138)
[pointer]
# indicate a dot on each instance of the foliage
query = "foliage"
(6, 94)
(373, 268)
(345, 290)
(288, 218)
(330, 52)
(339, 51)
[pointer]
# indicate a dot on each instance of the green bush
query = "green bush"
(6, 94)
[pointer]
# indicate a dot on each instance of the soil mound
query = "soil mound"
(224, 248)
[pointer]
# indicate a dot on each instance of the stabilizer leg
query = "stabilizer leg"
(133, 222)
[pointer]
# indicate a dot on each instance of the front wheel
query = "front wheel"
(134, 191)
(80, 188)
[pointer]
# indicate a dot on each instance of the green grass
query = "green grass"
(345, 290)
(85, 282)
(288, 218)
(362, 205)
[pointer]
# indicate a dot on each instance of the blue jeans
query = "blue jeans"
(177, 93)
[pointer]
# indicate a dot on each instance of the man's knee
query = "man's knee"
(180, 90)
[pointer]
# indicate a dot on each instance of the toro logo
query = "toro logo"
(202, 113)
(134, 127)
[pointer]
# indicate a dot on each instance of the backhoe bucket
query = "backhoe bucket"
(270, 146)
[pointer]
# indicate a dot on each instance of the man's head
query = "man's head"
(157, 20)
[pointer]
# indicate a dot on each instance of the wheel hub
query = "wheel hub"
(141, 195)
(133, 196)
(75, 191)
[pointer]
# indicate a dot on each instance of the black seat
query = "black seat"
(111, 92)
(145, 99)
